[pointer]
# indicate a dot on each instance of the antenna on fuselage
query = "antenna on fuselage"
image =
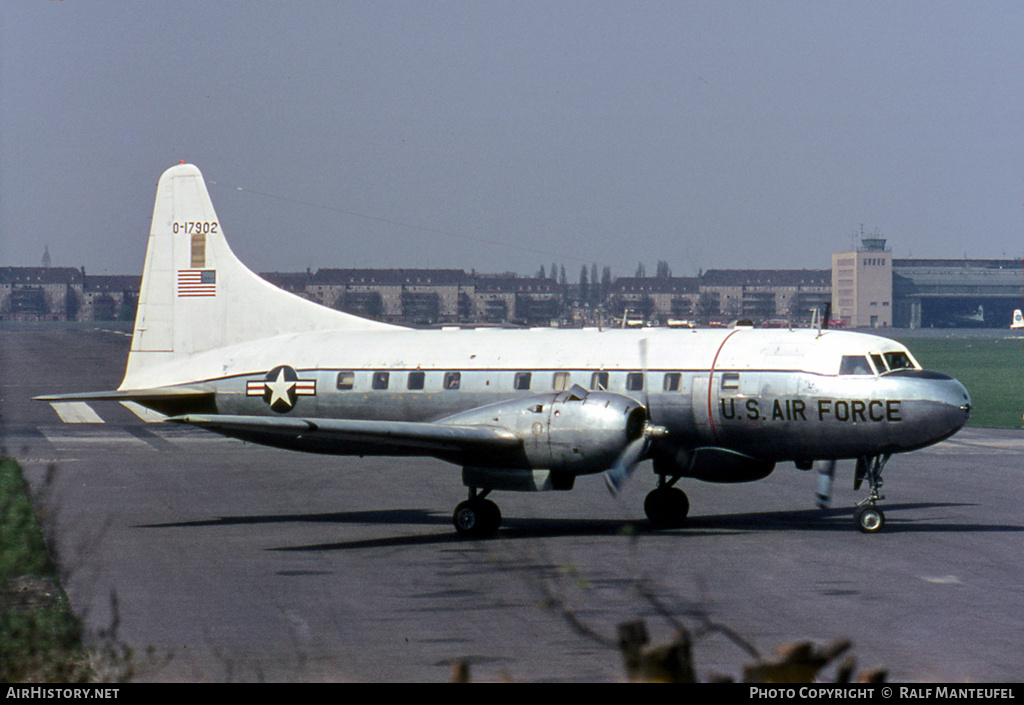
(821, 320)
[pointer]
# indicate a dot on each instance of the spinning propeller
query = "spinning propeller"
(639, 430)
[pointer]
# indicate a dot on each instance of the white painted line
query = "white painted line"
(147, 415)
(65, 438)
(75, 412)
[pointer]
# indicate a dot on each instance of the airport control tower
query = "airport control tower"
(862, 285)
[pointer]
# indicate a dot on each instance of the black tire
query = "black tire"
(870, 520)
(477, 518)
(667, 507)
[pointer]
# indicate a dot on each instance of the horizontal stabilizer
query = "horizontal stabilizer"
(169, 402)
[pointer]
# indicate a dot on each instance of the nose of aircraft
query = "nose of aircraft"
(956, 402)
(943, 404)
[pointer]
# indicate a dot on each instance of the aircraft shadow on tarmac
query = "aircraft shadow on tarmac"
(832, 520)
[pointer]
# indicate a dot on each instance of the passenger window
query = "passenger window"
(560, 382)
(634, 381)
(522, 380)
(380, 380)
(599, 381)
(452, 380)
(730, 380)
(854, 365)
(898, 360)
(346, 380)
(672, 381)
(416, 379)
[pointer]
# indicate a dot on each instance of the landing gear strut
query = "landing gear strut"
(477, 517)
(666, 506)
(870, 519)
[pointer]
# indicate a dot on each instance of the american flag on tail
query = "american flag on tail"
(197, 282)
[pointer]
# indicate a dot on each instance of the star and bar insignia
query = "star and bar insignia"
(281, 388)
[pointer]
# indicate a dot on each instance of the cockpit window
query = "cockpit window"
(855, 365)
(898, 360)
(879, 363)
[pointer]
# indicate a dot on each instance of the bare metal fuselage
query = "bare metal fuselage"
(218, 347)
(766, 394)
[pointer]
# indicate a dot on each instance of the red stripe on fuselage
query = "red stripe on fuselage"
(711, 386)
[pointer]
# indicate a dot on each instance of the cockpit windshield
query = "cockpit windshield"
(879, 363)
(898, 360)
(883, 363)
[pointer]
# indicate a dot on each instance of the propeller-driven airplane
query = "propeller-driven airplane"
(217, 347)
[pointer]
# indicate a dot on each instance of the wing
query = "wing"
(454, 442)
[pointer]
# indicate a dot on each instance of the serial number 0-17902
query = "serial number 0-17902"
(194, 227)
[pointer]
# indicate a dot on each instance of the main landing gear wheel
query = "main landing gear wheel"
(477, 518)
(667, 507)
(870, 520)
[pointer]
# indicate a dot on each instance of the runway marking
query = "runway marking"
(67, 440)
(991, 445)
(79, 437)
(115, 332)
(75, 412)
(147, 415)
(942, 580)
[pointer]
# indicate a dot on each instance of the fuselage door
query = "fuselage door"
(700, 403)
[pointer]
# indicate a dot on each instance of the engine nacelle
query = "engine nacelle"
(517, 479)
(711, 464)
(570, 433)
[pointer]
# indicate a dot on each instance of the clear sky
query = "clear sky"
(500, 136)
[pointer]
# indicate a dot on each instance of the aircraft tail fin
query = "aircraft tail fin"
(196, 295)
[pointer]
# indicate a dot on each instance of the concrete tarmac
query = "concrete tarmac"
(217, 560)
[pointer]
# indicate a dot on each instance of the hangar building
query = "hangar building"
(946, 293)
(870, 289)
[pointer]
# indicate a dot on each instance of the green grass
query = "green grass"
(40, 638)
(992, 369)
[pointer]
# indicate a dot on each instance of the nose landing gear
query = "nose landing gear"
(869, 518)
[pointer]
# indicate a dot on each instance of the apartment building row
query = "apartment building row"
(453, 296)
(864, 288)
(66, 294)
